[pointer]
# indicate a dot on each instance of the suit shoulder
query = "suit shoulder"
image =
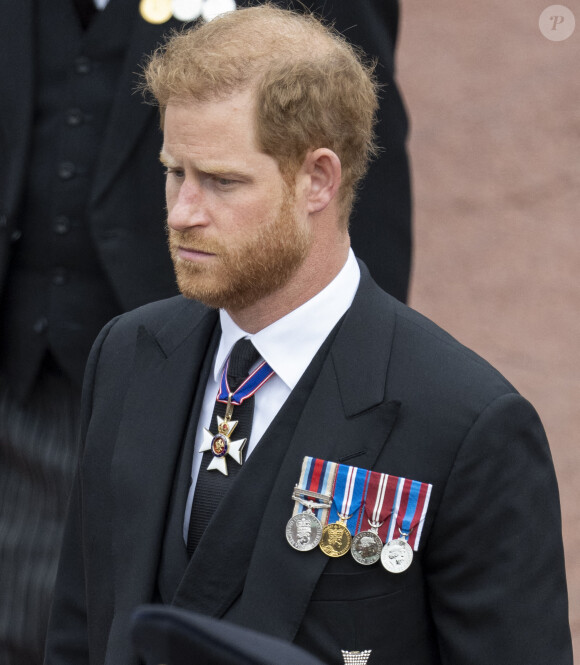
(168, 321)
(162, 325)
(435, 358)
(160, 314)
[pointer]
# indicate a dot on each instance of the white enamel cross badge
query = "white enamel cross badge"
(221, 445)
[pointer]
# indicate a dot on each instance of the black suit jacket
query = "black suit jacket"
(396, 394)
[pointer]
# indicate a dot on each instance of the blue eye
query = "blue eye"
(178, 173)
(224, 182)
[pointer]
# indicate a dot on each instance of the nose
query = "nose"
(185, 206)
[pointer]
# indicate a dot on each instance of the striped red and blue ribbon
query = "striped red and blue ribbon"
(400, 504)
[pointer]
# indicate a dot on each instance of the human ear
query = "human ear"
(324, 173)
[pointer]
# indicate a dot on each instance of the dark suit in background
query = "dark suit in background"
(380, 228)
(82, 239)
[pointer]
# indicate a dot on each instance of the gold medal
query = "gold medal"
(336, 538)
(156, 11)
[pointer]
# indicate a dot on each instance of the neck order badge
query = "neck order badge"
(220, 444)
(237, 388)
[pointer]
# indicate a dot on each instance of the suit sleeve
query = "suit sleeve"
(67, 640)
(494, 559)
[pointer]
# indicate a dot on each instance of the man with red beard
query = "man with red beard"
(243, 440)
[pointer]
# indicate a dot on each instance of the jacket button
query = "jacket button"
(61, 225)
(40, 325)
(74, 117)
(82, 65)
(66, 170)
(59, 276)
(16, 235)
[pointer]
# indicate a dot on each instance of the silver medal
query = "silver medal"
(366, 548)
(367, 545)
(397, 555)
(304, 531)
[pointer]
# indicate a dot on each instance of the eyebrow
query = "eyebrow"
(216, 170)
(164, 158)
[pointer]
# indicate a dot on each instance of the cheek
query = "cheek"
(260, 212)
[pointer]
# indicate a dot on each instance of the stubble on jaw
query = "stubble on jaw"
(242, 273)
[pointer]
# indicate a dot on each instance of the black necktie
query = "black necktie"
(212, 485)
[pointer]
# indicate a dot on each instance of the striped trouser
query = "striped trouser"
(38, 447)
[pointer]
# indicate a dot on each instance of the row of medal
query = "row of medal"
(341, 508)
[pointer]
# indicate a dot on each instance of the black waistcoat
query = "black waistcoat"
(172, 575)
(57, 296)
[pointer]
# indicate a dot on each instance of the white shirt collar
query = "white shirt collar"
(289, 344)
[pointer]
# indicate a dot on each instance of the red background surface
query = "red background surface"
(495, 149)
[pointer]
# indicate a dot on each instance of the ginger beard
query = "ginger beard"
(244, 270)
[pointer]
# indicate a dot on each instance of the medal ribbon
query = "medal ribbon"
(316, 476)
(410, 508)
(379, 502)
(250, 385)
(400, 503)
(348, 496)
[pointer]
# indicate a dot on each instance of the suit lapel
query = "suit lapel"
(347, 418)
(212, 588)
(174, 558)
(151, 432)
(16, 84)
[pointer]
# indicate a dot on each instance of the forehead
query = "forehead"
(224, 125)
